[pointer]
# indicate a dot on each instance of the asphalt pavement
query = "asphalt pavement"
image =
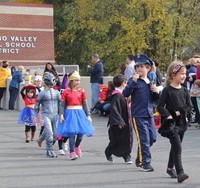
(25, 165)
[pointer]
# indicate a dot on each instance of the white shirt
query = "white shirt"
(130, 70)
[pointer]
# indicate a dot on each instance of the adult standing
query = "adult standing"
(158, 74)
(4, 74)
(14, 86)
(51, 69)
(96, 78)
(130, 69)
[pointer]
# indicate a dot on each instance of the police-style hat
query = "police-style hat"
(141, 59)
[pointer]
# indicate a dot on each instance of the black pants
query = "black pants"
(30, 128)
(175, 158)
(2, 90)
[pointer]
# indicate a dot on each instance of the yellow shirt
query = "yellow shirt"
(4, 74)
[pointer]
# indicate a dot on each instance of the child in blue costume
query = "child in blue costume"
(49, 100)
(75, 120)
(143, 94)
(27, 114)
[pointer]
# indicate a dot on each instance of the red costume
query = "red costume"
(73, 97)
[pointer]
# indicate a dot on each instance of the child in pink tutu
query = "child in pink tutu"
(27, 114)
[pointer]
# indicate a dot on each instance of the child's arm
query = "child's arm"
(22, 92)
(86, 109)
(61, 110)
(129, 87)
(195, 92)
(162, 103)
(37, 104)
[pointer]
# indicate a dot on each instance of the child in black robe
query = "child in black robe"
(120, 130)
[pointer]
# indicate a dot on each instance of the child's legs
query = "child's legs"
(152, 131)
(72, 144)
(54, 125)
(113, 133)
(60, 142)
(79, 138)
(48, 132)
(33, 129)
(27, 132)
(106, 108)
(176, 150)
(27, 128)
(41, 130)
(143, 138)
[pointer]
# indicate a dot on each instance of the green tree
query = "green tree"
(162, 29)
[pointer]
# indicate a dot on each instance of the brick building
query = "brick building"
(26, 34)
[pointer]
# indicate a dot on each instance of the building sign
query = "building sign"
(14, 44)
(26, 33)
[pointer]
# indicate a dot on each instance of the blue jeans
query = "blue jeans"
(73, 143)
(13, 97)
(95, 93)
(106, 108)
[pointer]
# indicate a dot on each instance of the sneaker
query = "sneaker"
(50, 153)
(147, 168)
(182, 177)
(109, 158)
(137, 163)
(61, 152)
(73, 156)
(65, 146)
(95, 111)
(172, 173)
(78, 151)
(127, 159)
(27, 141)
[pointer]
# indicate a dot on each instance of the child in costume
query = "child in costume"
(27, 114)
(143, 95)
(174, 105)
(75, 120)
(120, 130)
(39, 87)
(62, 141)
(49, 100)
(104, 98)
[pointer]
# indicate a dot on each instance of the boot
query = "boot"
(27, 134)
(32, 136)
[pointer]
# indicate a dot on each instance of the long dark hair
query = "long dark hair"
(53, 68)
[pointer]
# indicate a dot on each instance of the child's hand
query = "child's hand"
(155, 89)
(135, 77)
(121, 126)
(170, 117)
(62, 118)
(90, 119)
(178, 113)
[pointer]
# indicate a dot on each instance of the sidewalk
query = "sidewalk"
(25, 165)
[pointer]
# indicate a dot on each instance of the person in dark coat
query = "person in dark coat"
(120, 131)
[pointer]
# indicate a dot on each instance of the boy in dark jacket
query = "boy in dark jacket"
(143, 93)
(120, 131)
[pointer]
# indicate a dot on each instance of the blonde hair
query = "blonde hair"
(20, 68)
(172, 70)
